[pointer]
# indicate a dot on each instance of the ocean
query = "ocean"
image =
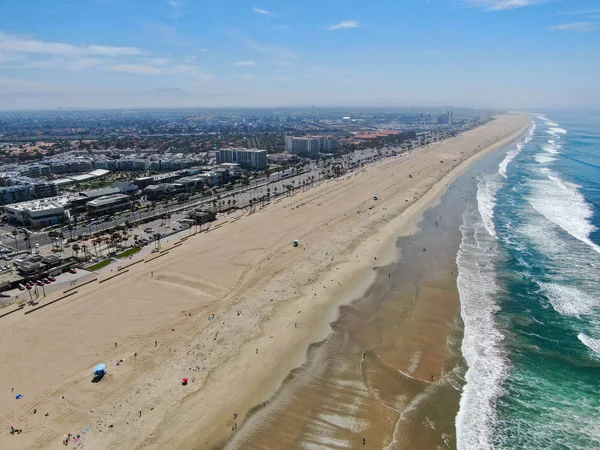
(529, 285)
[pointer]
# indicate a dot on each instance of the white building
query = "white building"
(310, 145)
(246, 158)
(37, 213)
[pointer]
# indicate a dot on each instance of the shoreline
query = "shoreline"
(209, 276)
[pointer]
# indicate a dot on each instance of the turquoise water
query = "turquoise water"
(529, 280)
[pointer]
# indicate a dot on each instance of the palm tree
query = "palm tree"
(75, 249)
(116, 238)
(94, 243)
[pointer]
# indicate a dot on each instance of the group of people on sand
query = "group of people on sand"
(14, 430)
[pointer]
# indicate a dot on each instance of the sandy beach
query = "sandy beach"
(233, 309)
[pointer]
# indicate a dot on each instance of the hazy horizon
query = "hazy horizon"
(120, 54)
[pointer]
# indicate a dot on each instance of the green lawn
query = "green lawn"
(100, 265)
(128, 253)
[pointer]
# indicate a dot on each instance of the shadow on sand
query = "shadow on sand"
(98, 378)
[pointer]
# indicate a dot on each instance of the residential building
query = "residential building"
(306, 146)
(246, 158)
(310, 145)
(71, 165)
(43, 190)
(14, 194)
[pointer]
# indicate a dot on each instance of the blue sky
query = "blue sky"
(166, 53)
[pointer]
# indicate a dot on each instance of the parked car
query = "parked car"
(52, 279)
(21, 287)
(73, 270)
(39, 282)
(28, 286)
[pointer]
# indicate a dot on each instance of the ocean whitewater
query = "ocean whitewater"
(529, 284)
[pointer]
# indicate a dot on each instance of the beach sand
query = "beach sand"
(269, 301)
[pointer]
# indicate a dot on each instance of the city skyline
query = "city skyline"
(178, 53)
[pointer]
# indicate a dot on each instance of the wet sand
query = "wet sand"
(390, 374)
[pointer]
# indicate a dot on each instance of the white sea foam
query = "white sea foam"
(568, 300)
(562, 203)
(487, 188)
(556, 131)
(481, 344)
(547, 121)
(510, 155)
(543, 159)
(589, 342)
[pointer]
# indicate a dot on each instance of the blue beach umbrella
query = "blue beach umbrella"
(100, 369)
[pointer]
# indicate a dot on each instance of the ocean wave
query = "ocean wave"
(481, 346)
(562, 203)
(543, 159)
(547, 121)
(510, 155)
(556, 131)
(568, 300)
(591, 343)
(487, 188)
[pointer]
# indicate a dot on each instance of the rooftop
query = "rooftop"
(37, 205)
(108, 199)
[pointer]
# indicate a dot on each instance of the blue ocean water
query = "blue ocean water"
(529, 282)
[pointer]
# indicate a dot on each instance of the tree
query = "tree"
(95, 242)
(116, 238)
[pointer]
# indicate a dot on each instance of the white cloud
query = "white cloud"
(182, 68)
(26, 44)
(136, 69)
(581, 12)
(82, 64)
(576, 26)
(157, 61)
(263, 11)
(501, 5)
(346, 24)
(143, 69)
(176, 6)
(244, 63)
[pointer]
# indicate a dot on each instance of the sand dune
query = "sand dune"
(269, 301)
